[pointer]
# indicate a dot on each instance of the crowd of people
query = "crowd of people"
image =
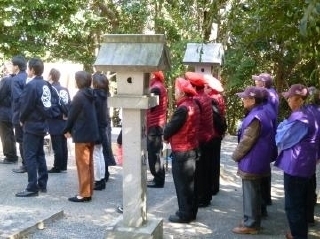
(32, 107)
(292, 145)
(193, 132)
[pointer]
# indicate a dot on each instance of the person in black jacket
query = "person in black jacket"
(99, 83)
(6, 128)
(19, 66)
(56, 126)
(82, 125)
(35, 96)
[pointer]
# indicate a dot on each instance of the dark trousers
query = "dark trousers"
(35, 161)
(183, 172)
(156, 163)
(296, 193)
(60, 151)
(18, 134)
(311, 198)
(8, 141)
(107, 149)
(204, 172)
(266, 189)
(251, 203)
(215, 187)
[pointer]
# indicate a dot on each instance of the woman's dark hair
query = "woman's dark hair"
(19, 61)
(37, 65)
(83, 79)
(55, 75)
(100, 81)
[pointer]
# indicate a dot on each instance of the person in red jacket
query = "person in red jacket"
(214, 89)
(156, 119)
(206, 136)
(182, 133)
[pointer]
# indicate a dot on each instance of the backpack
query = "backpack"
(219, 121)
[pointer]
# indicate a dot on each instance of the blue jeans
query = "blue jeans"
(296, 191)
(35, 162)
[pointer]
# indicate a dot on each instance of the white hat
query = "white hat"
(213, 83)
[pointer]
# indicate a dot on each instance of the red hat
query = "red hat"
(213, 83)
(296, 89)
(265, 77)
(185, 86)
(251, 91)
(158, 75)
(196, 79)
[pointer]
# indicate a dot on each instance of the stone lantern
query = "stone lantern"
(133, 57)
(205, 58)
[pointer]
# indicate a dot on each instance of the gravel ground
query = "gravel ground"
(92, 220)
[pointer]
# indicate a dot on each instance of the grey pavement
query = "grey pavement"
(51, 215)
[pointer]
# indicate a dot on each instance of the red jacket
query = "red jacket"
(206, 131)
(157, 116)
(186, 137)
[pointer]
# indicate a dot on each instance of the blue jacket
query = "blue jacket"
(33, 97)
(56, 126)
(5, 99)
(82, 119)
(18, 83)
(300, 159)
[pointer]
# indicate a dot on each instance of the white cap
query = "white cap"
(213, 83)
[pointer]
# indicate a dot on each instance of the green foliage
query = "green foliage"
(28, 28)
(279, 37)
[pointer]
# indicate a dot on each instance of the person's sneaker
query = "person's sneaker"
(54, 170)
(43, 190)
(63, 171)
(7, 161)
(21, 169)
(245, 230)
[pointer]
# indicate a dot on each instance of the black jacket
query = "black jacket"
(5, 99)
(17, 86)
(82, 119)
(33, 98)
(56, 126)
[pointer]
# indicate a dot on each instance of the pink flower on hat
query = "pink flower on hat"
(296, 89)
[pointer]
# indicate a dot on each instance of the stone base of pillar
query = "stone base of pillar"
(152, 229)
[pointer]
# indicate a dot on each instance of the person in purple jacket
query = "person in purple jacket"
(253, 155)
(297, 139)
(265, 82)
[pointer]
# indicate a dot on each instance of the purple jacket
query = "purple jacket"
(300, 159)
(257, 160)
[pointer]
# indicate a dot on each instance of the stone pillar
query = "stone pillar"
(133, 57)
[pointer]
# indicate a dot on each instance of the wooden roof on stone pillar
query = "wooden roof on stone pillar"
(206, 54)
(133, 52)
